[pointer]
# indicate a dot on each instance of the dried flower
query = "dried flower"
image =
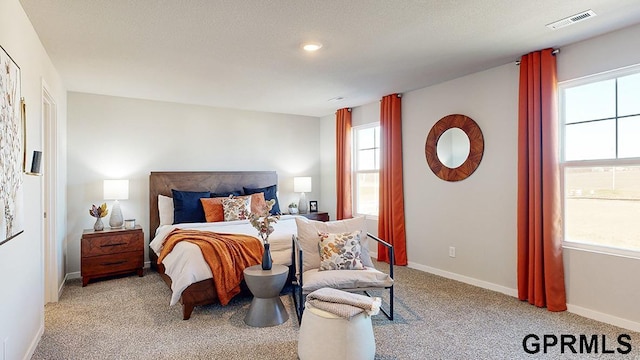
(262, 222)
(99, 212)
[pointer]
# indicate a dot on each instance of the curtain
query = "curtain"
(540, 267)
(391, 213)
(343, 163)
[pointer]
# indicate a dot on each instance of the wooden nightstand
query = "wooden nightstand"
(111, 252)
(319, 216)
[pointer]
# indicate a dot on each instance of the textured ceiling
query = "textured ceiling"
(246, 54)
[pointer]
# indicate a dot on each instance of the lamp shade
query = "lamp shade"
(302, 184)
(116, 189)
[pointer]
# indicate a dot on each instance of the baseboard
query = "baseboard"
(578, 310)
(465, 279)
(73, 275)
(35, 341)
(61, 288)
(605, 318)
(147, 264)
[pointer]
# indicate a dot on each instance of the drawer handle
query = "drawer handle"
(114, 244)
(114, 263)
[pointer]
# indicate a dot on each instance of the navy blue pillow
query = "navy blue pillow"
(187, 207)
(226, 194)
(269, 193)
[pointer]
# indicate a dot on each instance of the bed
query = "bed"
(198, 289)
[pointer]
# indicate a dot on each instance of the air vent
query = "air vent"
(571, 20)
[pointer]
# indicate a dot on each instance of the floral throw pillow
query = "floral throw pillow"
(236, 208)
(340, 251)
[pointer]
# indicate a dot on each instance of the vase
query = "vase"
(98, 226)
(266, 258)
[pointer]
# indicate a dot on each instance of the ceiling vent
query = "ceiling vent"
(571, 20)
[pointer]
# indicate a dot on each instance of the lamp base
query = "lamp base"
(116, 221)
(302, 204)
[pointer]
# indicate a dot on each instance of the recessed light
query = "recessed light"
(311, 47)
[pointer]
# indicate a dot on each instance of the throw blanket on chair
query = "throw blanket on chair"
(226, 254)
(342, 303)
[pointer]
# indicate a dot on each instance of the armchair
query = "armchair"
(308, 278)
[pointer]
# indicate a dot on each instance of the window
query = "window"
(366, 169)
(600, 127)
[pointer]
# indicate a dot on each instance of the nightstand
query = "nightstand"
(111, 252)
(319, 216)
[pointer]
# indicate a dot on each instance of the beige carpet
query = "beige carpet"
(436, 318)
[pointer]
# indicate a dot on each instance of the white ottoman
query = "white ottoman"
(324, 335)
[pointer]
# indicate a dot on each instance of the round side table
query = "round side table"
(266, 307)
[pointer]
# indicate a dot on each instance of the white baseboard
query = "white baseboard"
(73, 275)
(605, 318)
(578, 310)
(35, 341)
(465, 279)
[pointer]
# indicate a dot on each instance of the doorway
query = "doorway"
(52, 252)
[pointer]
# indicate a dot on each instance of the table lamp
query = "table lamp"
(302, 184)
(116, 190)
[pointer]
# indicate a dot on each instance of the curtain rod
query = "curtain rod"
(554, 52)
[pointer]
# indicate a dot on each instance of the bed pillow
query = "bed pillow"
(213, 210)
(165, 210)
(340, 251)
(258, 203)
(308, 238)
(236, 208)
(270, 192)
(187, 207)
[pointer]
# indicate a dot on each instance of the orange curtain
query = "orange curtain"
(540, 267)
(343, 161)
(391, 213)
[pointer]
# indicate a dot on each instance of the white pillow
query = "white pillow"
(344, 279)
(308, 238)
(165, 209)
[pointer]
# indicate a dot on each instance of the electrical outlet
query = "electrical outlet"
(452, 251)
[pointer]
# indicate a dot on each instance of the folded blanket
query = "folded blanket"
(342, 303)
(226, 254)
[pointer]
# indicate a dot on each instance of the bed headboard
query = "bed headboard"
(161, 183)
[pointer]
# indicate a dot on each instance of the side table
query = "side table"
(266, 307)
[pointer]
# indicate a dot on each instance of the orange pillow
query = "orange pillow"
(213, 210)
(258, 203)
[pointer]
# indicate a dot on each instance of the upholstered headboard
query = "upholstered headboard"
(161, 183)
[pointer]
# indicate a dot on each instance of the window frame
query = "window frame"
(355, 171)
(608, 162)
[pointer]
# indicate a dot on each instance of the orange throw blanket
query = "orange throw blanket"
(226, 254)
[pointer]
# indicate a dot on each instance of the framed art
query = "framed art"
(313, 206)
(11, 149)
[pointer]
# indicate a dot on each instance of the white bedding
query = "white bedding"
(185, 264)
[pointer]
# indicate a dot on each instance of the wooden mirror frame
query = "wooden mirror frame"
(476, 141)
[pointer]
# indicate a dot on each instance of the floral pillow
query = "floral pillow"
(236, 208)
(340, 251)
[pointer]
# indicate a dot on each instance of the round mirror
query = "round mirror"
(453, 147)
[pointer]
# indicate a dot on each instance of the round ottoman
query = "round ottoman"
(324, 335)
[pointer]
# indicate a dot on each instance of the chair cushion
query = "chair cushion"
(340, 251)
(309, 239)
(348, 280)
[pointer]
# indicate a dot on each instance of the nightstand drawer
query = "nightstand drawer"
(106, 264)
(108, 244)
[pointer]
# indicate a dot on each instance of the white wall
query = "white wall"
(478, 215)
(602, 286)
(112, 137)
(21, 259)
